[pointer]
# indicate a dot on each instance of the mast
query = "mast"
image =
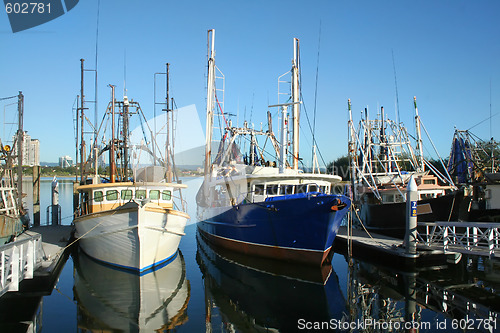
(383, 140)
(20, 142)
(210, 99)
(352, 147)
(167, 144)
(82, 143)
(112, 164)
(295, 100)
(421, 165)
(125, 137)
(284, 130)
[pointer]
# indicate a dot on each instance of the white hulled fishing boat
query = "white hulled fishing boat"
(129, 219)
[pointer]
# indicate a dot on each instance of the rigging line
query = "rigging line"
(479, 123)
(315, 96)
(318, 151)
(310, 128)
(396, 85)
(75, 118)
(4, 98)
(251, 108)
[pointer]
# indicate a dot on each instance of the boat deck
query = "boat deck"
(389, 251)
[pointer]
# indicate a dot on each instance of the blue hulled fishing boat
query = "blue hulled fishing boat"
(266, 206)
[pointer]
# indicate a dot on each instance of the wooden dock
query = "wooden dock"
(20, 310)
(389, 251)
(54, 241)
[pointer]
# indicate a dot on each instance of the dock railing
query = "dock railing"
(478, 238)
(18, 260)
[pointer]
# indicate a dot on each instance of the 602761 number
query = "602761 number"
(27, 8)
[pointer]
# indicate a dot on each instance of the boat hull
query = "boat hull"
(10, 226)
(390, 218)
(132, 237)
(296, 230)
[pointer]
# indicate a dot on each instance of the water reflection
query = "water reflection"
(251, 295)
(110, 299)
(448, 298)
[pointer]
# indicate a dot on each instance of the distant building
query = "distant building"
(30, 149)
(65, 161)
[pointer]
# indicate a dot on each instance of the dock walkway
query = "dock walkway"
(387, 249)
(21, 307)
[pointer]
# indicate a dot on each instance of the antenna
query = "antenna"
(125, 72)
(491, 136)
(396, 85)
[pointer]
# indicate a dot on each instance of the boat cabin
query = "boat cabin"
(428, 188)
(261, 191)
(101, 197)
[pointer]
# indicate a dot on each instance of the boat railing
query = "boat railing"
(18, 260)
(479, 238)
(7, 201)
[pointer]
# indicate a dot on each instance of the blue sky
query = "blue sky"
(446, 54)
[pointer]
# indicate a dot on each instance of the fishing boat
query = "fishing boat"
(473, 164)
(265, 207)
(128, 219)
(382, 160)
(14, 218)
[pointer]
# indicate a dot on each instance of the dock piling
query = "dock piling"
(56, 209)
(411, 218)
(36, 195)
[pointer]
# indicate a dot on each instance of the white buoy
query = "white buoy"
(411, 217)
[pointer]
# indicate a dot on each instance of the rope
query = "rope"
(361, 222)
(76, 240)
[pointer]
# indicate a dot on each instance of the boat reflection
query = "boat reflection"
(248, 294)
(113, 300)
(457, 294)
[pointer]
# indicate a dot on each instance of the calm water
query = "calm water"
(215, 291)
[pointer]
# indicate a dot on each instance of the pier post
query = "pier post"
(411, 217)
(36, 195)
(76, 198)
(55, 202)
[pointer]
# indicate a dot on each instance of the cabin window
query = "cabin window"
(399, 198)
(287, 189)
(322, 189)
(98, 196)
(126, 195)
(166, 195)
(426, 196)
(301, 188)
(112, 195)
(272, 189)
(430, 181)
(140, 194)
(313, 188)
(259, 190)
(154, 194)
